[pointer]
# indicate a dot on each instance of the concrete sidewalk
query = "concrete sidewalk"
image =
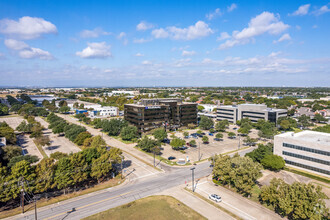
(207, 210)
(234, 202)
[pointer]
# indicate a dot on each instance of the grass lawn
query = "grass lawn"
(152, 207)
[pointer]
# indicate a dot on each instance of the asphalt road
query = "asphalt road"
(93, 203)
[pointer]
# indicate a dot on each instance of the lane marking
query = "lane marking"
(66, 212)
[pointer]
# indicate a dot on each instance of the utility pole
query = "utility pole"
(121, 167)
(239, 141)
(154, 158)
(199, 151)
(22, 194)
(35, 208)
(192, 177)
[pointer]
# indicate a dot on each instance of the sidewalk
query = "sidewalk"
(207, 210)
(234, 202)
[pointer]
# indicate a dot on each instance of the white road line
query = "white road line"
(247, 215)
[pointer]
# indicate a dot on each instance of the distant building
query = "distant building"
(254, 112)
(122, 92)
(154, 113)
(325, 98)
(307, 150)
(208, 107)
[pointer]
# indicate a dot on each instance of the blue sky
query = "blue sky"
(164, 43)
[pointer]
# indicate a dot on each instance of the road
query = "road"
(93, 203)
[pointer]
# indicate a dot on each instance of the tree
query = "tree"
(205, 139)
(176, 143)
(101, 167)
(199, 132)
(63, 174)
(8, 133)
(219, 135)
(113, 126)
(239, 172)
(325, 128)
(128, 133)
(45, 175)
(231, 134)
(10, 151)
(62, 103)
(72, 131)
(58, 155)
(42, 141)
(4, 110)
(81, 138)
(212, 130)
(304, 121)
(185, 134)
(273, 162)
(64, 109)
(291, 112)
(147, 144)
(192, 143)
(200, 108)
(98, 141)
(221, 125)
(319, 118)
(297, 201)
(206, 123)
(28, 158)
(258, 154)
(248, 140)
(285, 124)
(160, 134)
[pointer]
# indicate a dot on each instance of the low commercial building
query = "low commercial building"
(149, 114)
(208, 107)
(254, 112)
(306, 150)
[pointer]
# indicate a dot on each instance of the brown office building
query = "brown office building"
(149, 114)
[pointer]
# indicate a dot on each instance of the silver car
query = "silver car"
(215, 197)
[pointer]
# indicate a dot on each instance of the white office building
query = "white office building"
(306, 150)
(254, 112)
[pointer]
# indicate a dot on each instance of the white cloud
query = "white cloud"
(283, 38)
(216, 13)
(142, 26)
(141, 40)
(231, 7)
(26, 27)
(199, 30)
(223, 36)
(25, 51)
(322, 10)
(95, 50)
(146, 62)
(302, 10)
(265, 23)
(139, 55)
(188, 53)
(97, 32)
(15, 44)
(121, 35)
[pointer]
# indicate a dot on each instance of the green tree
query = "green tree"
(10, 151)
(62, 103)
(200, 108)
(63, 174)
(185, 134)
(160, 134)
(192, 143)
(45, 175)
(231, 134)
(28, 158)
(42, 141)
(64, 109)
(81, 138)
(319, 118)
(101, 167)
(129, 133)
(205, 139)
(219, 135)
(176, 143)
(58, 155)
(258, 154)
(147, 144)
(221, 125)
(206, 123)
(273, 162)
(238, 172)
(9, 134)
(4, 110)
(199, 132)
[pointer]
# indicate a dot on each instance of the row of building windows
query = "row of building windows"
(227, 110)
(257, 113)
(307, 167)
(225, 113)
(220, 116)
(327, 153)
(252, 116)
(306, 158)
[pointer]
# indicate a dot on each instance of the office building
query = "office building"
(306, 150)
(149, 114)
(254, 112)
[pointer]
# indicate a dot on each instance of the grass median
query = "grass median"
(149, 208)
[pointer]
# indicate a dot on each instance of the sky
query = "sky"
(164, 43)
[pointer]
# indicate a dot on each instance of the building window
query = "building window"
(307, 167)
(306, 158)
(327, 153)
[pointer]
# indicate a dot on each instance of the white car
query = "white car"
(215, 197)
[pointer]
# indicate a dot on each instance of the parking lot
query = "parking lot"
(201, 150)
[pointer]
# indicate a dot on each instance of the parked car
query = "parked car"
(168, 141)
(171, 158)
(235, 128)
(199, 135)
(188, 144)
(215, 197)
(217, 139)
(183, 148)
(211, 134)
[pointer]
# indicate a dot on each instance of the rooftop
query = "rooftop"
(309, 136)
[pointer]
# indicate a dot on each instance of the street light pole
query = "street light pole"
(199, 151)
(154, 158)
(121, 167)
(192, 176)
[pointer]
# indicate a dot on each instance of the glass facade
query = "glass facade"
(315, 151)
(306, 158)
(307, 167)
